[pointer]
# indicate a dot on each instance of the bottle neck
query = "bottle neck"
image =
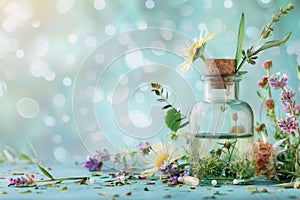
(221, 88)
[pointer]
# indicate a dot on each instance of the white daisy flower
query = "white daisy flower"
(161, 154)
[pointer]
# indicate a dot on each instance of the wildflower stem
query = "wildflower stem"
(62, 179)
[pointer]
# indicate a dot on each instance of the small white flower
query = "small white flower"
(122, 178)
(297, 184)
(214, 182)
(235, 182)
(92, 180)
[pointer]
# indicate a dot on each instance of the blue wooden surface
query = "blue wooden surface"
(98, 190)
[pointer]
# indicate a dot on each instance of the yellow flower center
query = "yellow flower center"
(159, 160)
(192, 49)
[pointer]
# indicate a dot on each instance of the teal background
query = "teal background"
(45, 45)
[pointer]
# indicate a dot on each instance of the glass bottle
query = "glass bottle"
(221, 128)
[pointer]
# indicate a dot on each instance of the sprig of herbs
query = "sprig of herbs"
(174, 118)
(250, 55)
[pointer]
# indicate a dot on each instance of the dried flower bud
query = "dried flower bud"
(269, 103)
(218, 152)
(290, 6)
(234, 116)
(260, 127)
(267, 64)
(227, 145)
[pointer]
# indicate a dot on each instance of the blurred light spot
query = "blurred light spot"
(73, 38)
(20, 53)
(228, 4)
(139, 119)
(158, 48)
(27, 107)
(65, 118)
(49, 121)
(50, 75)
(67, 81)
(119, 96)
(186, 10)
(97, 136)
(265, 3)
(149, 4)
(42, 46)
(142, 25)
(252, 32)
(134, 59)
(3, 88)
(99, 58)
(169, 24)
(207, 4)
(139, 98)
(59, 99)
(91, 75)
(99, 4)
(98, 96)
(90, 41)
(36, 24)
(5, 45)
(166, 34)
(294, 47)
(123, 39)
(63, 6)
(9, 25)
(17, 13)
(71, 59)
(56, 139)
(60, 153)
(186, 25)
(218, 25)
(39, 68)
(202, 26)
(128, 140)
(110, 29)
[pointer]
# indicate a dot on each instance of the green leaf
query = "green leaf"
(25, 157)
(172, 119)
(33, 150)
(240, 41)
(273, 43)
(44, 171)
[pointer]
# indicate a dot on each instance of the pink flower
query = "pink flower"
(264, 158)
(267, 64)
(269, 103)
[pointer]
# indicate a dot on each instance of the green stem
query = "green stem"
(62, 179)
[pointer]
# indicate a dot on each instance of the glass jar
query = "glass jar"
(221, 128)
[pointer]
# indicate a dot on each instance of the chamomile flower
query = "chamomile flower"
(195, 50)
(161, 154)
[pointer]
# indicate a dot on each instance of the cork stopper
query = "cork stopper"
(218, 68)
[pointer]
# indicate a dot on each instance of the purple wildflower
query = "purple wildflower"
(289, 125)
(144, 148)
(278, 81)
(104, 155)
(174, 172)
(287, 95)
(93, 163)
(25, 180)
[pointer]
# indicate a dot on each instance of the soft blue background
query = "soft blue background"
(57, 89)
